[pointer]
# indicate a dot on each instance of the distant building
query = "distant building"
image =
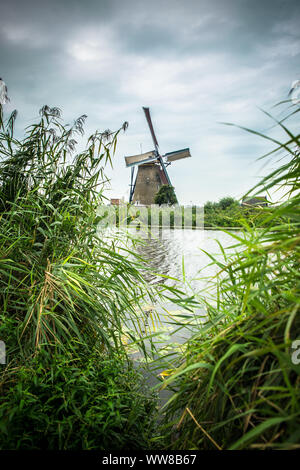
(259, 201)
(115, 202)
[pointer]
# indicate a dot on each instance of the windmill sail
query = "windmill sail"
(178, 155)
(140, 158)
(164, 170)
(148, 117)
(163, 177)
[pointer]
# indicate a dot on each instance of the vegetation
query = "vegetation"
(225, 213)
(163, 216)
(75, 402)
(229, 212)
(165, 195)
(237, 386)
(66, 293)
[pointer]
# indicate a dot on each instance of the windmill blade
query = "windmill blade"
(178, 155)
(166, 178)
(163, 168)
(132, 185)
(141, 158)
(148, 117)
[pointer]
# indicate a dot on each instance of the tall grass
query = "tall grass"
(66, 292)
(60, 279)
(237, 386)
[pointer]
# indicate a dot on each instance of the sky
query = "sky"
(196, 64)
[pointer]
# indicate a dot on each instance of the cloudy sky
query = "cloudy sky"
(195, 63)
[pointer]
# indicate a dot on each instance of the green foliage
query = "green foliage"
(75, 402)
(65, 289)
(225, 213)
(165, 195)
(226, 202)
(237, 386)
(229, 212)
(60, 278)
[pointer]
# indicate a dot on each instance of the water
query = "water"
(180, 256)
(167, 250)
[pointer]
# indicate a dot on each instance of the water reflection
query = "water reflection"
(180, 253)
(156, 250)
(181, 256)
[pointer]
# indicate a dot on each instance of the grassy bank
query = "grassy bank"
(65, 294)
(238, 386)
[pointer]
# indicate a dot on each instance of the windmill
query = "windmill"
(151, 169)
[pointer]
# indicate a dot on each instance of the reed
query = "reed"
(237, 386)
(60, 278)
(66, 293)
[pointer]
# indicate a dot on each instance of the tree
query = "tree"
(165, 195)
(226, 202)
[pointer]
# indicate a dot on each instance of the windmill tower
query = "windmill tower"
(151, 169)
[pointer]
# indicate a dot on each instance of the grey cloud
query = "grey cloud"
(194, 63)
